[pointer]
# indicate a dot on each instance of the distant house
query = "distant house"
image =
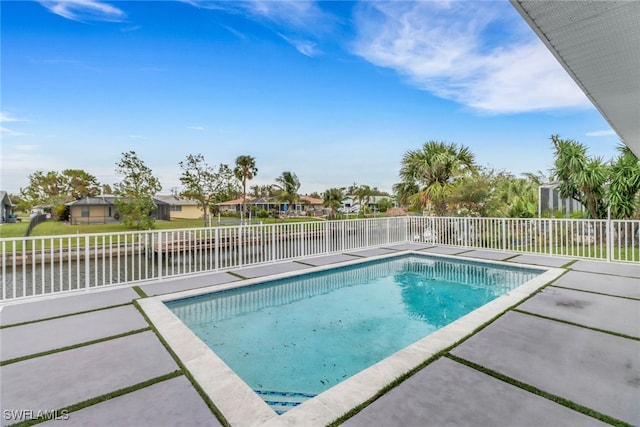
(182, 208)
(6, 207)
(549, 200)
(102, 210)
(351, 204)
(301, 207)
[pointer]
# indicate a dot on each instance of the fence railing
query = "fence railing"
(34, 266)
(608, 240)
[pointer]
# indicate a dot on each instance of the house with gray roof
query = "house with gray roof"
(6, 207)
(102, 210)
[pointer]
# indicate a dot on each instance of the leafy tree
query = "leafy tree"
(54, 189)
(351, 190)
(581, 178)
(106, 189)
(245, 170)
(79, 184)
(538, 178)
(135, 192)
(520, 196)
(376, 192)
(384, 204)
(19, 203)
(434, 170)
(44, 189)
(332, 199)
(257, 191)
(624, 187)
(287, 186)
(204, 184)
(473, 193)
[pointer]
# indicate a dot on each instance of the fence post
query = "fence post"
(87, 260)
(158, 254)
(407, 224)
(504, 234)
(550, 238)
(326, 237)
(274, 249)
(609, 235)
(240, 242)
(366, 232)
(216, 247)
(4, 270)
(466, 232)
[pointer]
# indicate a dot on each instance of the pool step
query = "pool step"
(282, 401)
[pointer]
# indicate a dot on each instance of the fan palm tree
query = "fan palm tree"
(245, 170)
(434, 169)
(332, 199)
(403, 191)
(287, 186)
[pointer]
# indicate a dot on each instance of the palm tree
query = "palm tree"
(624, 187)
(332, 199)
(363, 193)
(520, 198)
(581, 178)
(245, 170)
(288, 185)
(434, 169)
(403, 191)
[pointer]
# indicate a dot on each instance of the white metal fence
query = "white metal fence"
(608, 240)
(34, 266)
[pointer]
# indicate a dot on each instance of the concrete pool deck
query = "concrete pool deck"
(572, 349)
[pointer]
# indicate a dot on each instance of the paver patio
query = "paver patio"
(143, 385)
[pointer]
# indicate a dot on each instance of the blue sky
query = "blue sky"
(335, 91)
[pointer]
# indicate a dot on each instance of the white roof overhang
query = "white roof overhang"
(598, 44)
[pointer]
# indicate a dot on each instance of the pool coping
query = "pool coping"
(241, 406)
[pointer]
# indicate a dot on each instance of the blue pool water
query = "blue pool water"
(293, 338)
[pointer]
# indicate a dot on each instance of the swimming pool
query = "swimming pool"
(294, 338)
(281, 337)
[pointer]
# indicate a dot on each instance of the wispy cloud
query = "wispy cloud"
(305, 47)
(195, 127)
(8, 132)
(235, 32)
(84, 10)
(55, 61)
(130, 29)
(445, 48)
(26, 147)
(288, 13)
(301, 21)
(6, 118)
(609, 132)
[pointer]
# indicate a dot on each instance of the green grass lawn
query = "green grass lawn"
(57, 228)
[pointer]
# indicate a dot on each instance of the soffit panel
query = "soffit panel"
(598, 43)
